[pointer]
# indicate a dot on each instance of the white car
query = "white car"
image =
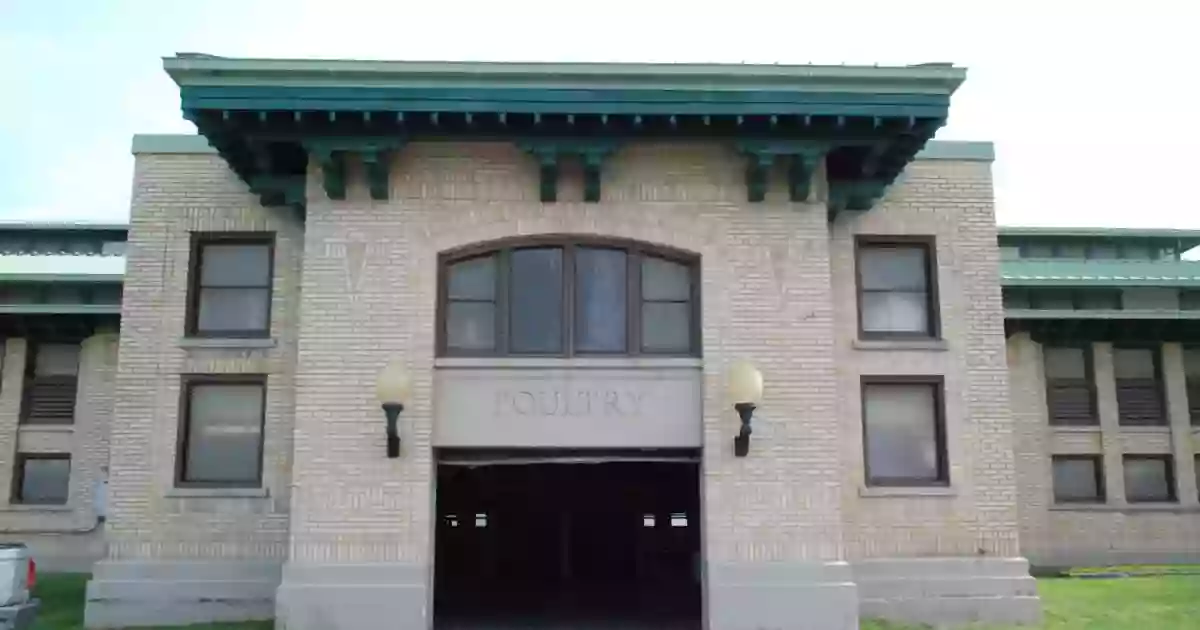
(18, 573)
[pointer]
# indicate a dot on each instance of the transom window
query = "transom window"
(568, 298)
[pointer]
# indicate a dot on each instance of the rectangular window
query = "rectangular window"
(231, 285)
(221, 436)
(601, 293)
(536, 301)
(897, 288)
(904, 432)
(51, 383)
(1139, 387)
(471, 304)
(42, 479)
(1150, 479)
(1078, 478)
(1070, 386)
(1191, 372)
(666, 305)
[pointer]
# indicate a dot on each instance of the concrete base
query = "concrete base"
(781, 596)
(354, 596)
(948, 591)
(139, 593)
(1067, 559)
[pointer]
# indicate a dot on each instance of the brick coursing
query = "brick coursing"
(1116, 531)
(355, 287)
(173, 196)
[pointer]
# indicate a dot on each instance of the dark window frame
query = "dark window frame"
(1172, 481)
(30, 378)
(199, 241)
(188, 383)
(1159, 386)
(933, 314)
(1097, 470)
(634, 250)
(937, 384)
(1089, 375)
(18, 477)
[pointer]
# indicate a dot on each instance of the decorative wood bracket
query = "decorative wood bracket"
(803, 158)
(333, 172)
(550, 151)
(378, 166)
(376, 155)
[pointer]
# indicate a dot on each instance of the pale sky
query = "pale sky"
(1094, 110)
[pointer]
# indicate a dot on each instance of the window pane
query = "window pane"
(665, 280)
(1136, 252)
(471, 325)
(235, 265)
(895, 312)
(1054, 299)
(666, 326)
(901, 434)
(1010, 252)
(1072, 250)
(1099, 299)
(57, 359)
(224, 433)
(1075, 479)
(537, 300)
(1039, 250)
(45, 480)
(1065, 363)
(1147, 479)
(1191, 362)
(233, 310)
(892, 268)
(1133, 363)
(473, 279)
(600, 299)
(1101, 251)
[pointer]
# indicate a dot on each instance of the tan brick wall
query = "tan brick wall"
(66, 537)
(370, 283)
(1115, 532)
(173, 196)
(951, 201)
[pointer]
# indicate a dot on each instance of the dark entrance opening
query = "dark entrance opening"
(578, 541)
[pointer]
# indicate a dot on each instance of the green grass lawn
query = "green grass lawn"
(1169, 602)
(62, 596)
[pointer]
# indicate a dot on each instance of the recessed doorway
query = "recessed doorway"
(568, 540)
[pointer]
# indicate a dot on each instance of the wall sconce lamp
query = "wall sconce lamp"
(393, 388)
(745, 390)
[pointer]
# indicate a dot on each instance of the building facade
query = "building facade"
(558, 270)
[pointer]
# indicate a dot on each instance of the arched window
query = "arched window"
(569, 297)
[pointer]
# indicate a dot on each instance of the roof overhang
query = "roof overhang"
(267, 117)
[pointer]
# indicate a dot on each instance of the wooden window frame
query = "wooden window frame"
(634, 250)
(18, 478)
(1172, 481)
(1097, 471)
(30, 376)
(1160, 385)
(933, 316)
(1089, 366)
(188, 383)
(200, 240)
(938, 385)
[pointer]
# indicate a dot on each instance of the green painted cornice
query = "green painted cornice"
(262, 116)
(1099, 273)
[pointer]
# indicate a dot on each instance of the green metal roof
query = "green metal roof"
(1099, 273)
(1101, 232)
(201, 69)
(59, 268)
